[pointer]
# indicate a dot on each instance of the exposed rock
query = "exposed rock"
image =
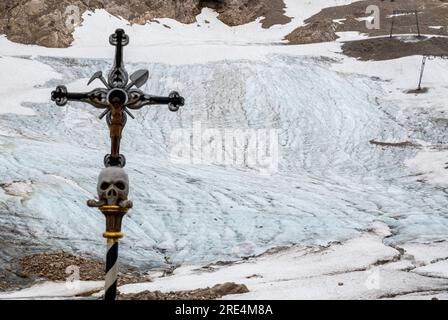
(403, 144)
(387, 48)
(53, 266)
(215, 292)
(238, 12)
(431, 13)
(5, 285)
(318, 31)
(50, 23)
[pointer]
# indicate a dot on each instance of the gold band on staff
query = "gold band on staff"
(114, 215)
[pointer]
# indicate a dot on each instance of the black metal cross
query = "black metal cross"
(118, 97)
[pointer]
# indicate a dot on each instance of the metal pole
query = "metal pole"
(392, 24)
(110, 287)
(114, 216)
(418, 25)
(421, 73)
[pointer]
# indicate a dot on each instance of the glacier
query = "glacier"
(331, 183)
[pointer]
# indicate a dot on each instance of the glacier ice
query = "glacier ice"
(331, 183)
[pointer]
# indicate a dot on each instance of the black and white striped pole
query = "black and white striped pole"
(113, 234)
(119, 97)
(110, 286)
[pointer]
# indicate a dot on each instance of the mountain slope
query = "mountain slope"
(330, 182)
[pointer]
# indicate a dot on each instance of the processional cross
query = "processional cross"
(117, 99)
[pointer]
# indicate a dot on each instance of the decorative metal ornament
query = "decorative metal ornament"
(112, 188)
(118, 97)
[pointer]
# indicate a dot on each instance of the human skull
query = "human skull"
(113, 185)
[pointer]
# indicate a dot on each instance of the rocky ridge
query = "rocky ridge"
(50, 23)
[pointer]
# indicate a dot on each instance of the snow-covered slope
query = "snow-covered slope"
(331, 183)
(360, 268)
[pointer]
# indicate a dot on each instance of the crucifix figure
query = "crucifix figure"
(118, 97)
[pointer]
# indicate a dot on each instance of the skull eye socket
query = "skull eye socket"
(120, 185)
(104, 185)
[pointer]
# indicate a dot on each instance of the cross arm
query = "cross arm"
(96, 97)
(138, 99)
(118, 77)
